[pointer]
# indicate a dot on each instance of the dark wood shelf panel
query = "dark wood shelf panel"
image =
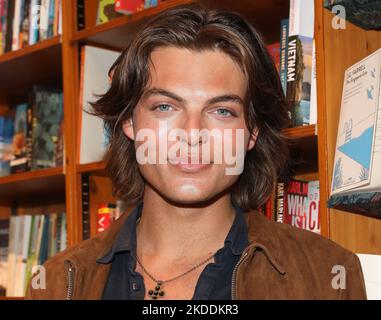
(91, 167)
(40, 64)
(301, 132)
(118, 32)
(30, 184)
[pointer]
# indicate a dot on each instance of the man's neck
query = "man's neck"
(182, 233)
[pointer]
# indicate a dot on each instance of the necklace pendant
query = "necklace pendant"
(157, 292)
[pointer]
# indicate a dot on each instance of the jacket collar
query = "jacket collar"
(262, 235)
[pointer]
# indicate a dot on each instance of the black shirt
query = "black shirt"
(214, 283)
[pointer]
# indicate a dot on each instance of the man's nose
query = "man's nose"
(193, 124)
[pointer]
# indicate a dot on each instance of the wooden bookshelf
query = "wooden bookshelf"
(55, 62)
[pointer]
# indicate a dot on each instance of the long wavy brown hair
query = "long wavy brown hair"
(198, 28)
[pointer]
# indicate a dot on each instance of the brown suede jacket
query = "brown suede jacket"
(280, 262)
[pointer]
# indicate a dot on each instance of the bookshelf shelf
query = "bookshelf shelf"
(301, 132)
(28, 184)
(116, 33)
(39, 63)
(91, 167)
(28, 50)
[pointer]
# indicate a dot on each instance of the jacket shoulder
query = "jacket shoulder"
(50, 280)
(322, 261)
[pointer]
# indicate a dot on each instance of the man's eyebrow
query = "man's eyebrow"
(222, 98)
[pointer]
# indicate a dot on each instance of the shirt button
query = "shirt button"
(135, 286)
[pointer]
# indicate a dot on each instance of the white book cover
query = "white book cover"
(358, 143)
(371, 267)
(96, 63)
(301, 18)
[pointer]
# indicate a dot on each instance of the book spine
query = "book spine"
(16, 25)
(51, 11)
(56, 17)
(9, 25)
(283, 54)
(44, 20)
(60, 17)
(313, 104)
(85, 207)
(34, 17)
(29, 136)
(4, 242)
(279, 201)
(313, 216)
(24, 26)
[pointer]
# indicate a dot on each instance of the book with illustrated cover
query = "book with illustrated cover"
(300, 61)
(106, 11)
(297, 203)
(47, 111)
(19, 162)
(6, 139)
(358, 144)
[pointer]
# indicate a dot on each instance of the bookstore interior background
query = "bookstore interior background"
(55, 54)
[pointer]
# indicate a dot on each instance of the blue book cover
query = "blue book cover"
(19, 155)
(6, 136)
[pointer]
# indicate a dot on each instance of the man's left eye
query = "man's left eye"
(224, 112)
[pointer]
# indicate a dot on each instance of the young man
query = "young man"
(195, 112)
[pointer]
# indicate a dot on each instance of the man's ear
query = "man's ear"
(253, 138)
(128, 129)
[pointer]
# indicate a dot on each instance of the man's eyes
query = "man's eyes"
(222, 112)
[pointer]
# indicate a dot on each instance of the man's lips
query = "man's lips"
(186, 165)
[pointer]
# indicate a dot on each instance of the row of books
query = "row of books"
(295, 202)
(33, 138)
(25, 22)
(27, 241)
(295, 59)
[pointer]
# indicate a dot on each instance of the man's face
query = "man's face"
(191, 91)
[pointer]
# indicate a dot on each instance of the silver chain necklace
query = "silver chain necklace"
(158, 292)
